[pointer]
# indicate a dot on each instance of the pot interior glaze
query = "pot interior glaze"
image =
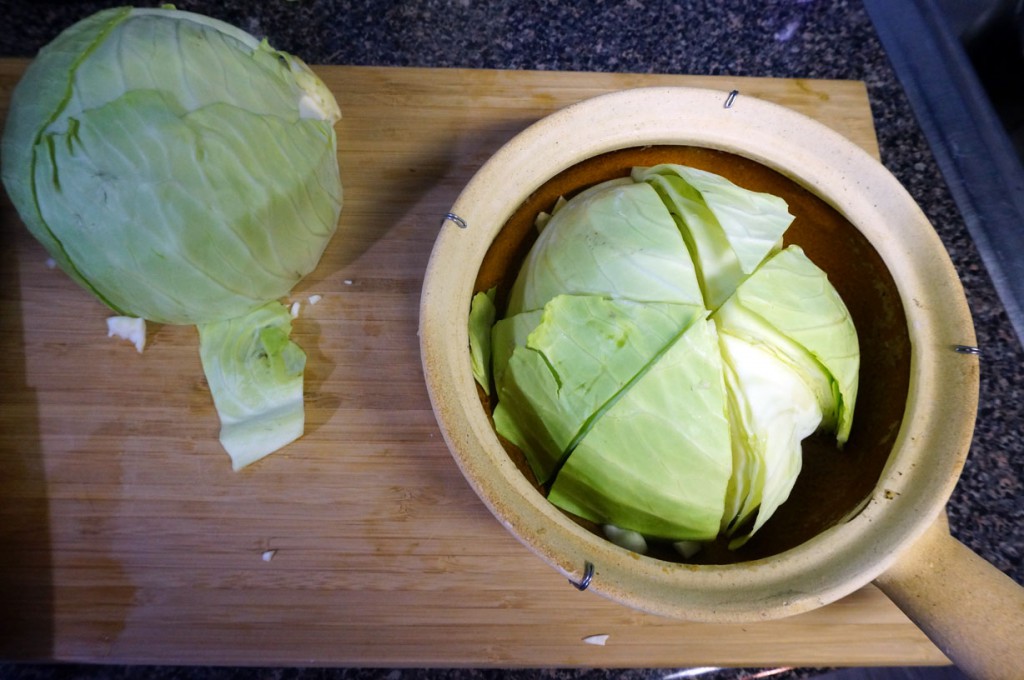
(834, 483)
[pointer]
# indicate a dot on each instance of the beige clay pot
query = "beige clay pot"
(867, 513)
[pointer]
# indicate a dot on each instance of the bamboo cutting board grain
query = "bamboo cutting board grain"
(125, 536)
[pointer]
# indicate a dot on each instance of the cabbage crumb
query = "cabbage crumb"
(597, 640)
(130, 328)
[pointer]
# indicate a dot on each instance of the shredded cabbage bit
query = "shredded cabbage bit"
(663, 356)
(130, 328)
(183, 172)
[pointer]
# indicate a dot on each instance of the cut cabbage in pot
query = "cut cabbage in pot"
(662, 358)
(789, 306)
(652, 463)
(581, 356)
(642, 259)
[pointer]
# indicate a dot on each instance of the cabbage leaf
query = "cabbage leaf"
(772, 411)
(616, 240)
(582, 354)
(728, 230)
(653, 462)
(255, 374)
(790, 306)
(481, 319)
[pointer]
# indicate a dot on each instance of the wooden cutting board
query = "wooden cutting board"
(126, 537)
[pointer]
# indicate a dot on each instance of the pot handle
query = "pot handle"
(972, 611)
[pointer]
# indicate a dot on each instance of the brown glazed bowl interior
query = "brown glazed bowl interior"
(853, 509)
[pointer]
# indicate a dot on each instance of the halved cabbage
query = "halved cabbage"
(175, 166)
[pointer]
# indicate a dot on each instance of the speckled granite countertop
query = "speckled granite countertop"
(831, 39)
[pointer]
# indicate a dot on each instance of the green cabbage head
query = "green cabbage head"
(662, 357)
(175, 166)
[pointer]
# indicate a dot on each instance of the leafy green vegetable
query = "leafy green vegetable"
(255, 374)
(652, 463)
(790, 306)
(584, 351)
(772, 410)
(643, 259)
(662, 358)
(729, 230)
(173, 165)
(481, 318)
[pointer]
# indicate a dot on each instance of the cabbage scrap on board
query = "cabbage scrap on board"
(662, 358)
(255, 376)
(183, 172)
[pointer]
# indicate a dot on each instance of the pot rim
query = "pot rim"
(936, 430)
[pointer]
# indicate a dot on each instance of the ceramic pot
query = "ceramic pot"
(866, 513)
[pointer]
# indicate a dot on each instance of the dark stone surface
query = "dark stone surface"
(779, 38)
